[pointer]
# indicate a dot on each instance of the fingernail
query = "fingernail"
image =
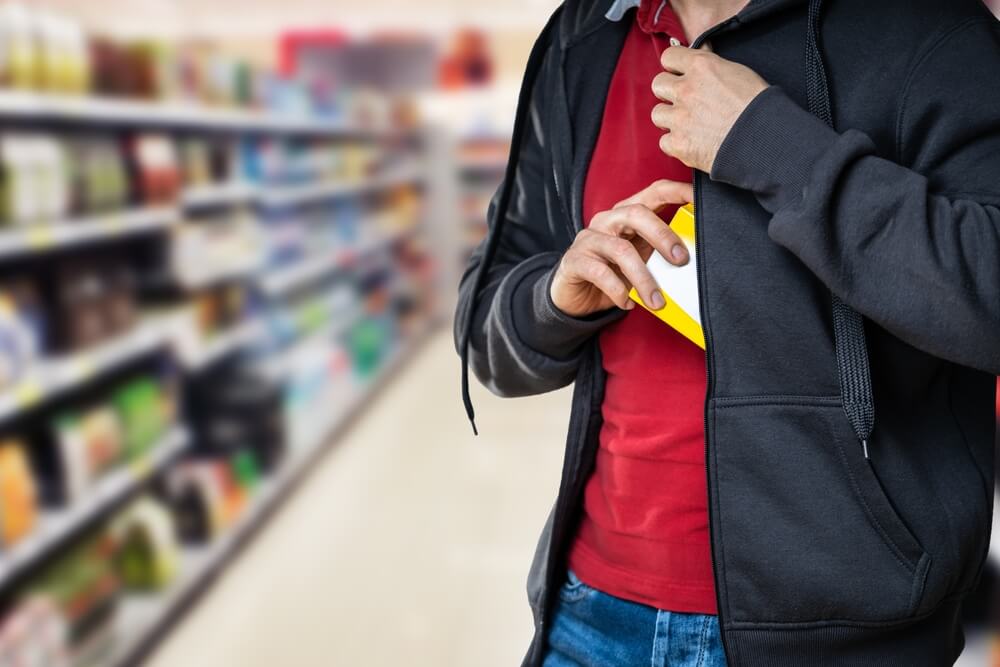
(630, 305)
(679, 253)
(656, 301)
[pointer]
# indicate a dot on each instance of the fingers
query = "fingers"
(623, 255)
(592, 269)
(678, 59)
(638, 220)
(659, 194)
(665, 86)
(662, 116)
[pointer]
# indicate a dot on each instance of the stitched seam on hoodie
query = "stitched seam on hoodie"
(785, 626)
(924, 55)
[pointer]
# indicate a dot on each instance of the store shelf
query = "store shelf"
(142, 619)
(375, 244)
(279, 282)
(221, 345)
(281, 365)
(218, 194)
(485, 164)
(279, 196)
(21, 105)
(42, 237)
(58, 525)
(50, 378)
(195, 278)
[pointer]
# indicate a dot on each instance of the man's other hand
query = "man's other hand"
(703, 95)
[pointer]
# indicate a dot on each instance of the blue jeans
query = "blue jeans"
(593, 629)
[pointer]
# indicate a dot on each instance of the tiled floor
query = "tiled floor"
(409, 544)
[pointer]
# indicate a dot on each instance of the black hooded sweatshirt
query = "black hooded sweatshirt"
(849, 270)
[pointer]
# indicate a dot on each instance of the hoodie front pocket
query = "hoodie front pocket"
(804, 529)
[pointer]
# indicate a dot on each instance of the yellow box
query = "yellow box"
(678, 284)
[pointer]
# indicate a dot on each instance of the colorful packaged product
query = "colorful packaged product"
(149, 555)
(18, 498)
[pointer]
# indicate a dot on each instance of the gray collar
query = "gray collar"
(618, 9)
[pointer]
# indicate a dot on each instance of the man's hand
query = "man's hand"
(609, 257)
(703, 96)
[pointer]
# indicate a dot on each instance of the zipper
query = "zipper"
(710, 376)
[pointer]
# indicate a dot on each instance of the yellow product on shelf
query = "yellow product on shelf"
(53, 53)
(678, 284)
(19, 58)
(18, 496)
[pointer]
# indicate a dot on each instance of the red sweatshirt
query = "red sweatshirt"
(644, 532)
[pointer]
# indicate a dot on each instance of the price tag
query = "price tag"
(112, 224)
(27, 393)
(80, 369)
(39, 236)
(142, 467)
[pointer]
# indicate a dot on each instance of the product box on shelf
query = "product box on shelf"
(148, 555)
(18, 495)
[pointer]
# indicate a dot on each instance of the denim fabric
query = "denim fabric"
(594, 629)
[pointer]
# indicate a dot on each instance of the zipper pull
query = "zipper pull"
(864, 446)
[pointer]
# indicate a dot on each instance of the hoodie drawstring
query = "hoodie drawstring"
(848, 325)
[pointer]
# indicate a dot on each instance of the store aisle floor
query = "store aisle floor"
(409, 543)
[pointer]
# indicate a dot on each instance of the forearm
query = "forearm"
(924, 267)
(520, 343)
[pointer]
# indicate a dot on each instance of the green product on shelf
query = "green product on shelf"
(367, 341)
(140, 405)
(243, 84)
(105, 181)
(148, 556)
(81, 581)
(20, 179)
(245, 470)
(312, 316)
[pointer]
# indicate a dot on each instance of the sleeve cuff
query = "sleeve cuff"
(771, 149)
(540, 324)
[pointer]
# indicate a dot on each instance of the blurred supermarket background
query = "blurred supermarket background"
(230, 236)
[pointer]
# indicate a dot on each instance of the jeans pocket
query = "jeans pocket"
(574, 590)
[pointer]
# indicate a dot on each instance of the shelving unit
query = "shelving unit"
(21, 105)
(220, 345)
(480, 164)
(50, 378)
(213, 276)
(278, 196)
(43, 237)
(280, 365)
(173, 306)
(218, 194)
(145, 618)
(277, 282)
(55, 527)
(281, 281)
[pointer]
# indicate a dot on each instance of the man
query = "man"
(845, 159)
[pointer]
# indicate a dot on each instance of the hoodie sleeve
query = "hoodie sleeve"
(912, 244)
(520, 343)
